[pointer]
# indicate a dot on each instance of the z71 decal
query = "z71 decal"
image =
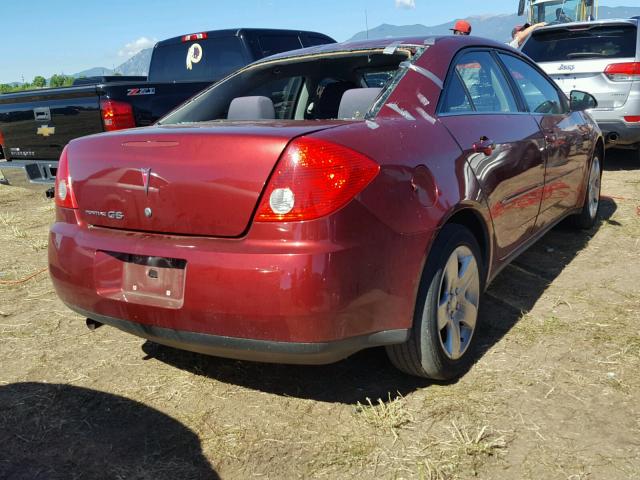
(140, 91)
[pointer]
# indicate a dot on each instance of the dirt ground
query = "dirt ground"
(555, 392)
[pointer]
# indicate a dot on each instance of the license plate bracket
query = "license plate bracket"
(141, 279)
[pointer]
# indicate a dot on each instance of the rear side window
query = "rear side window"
(272, 44)
(478, 84)
(378, 79)
(205, 60)
(612, 41)
(313, 40)
(456, 99)
(539, 94)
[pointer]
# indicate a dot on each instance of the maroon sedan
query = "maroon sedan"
(326, 200)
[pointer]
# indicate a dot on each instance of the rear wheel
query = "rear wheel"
(446, 313)
(589, 213)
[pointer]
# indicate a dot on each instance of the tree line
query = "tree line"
(39, 82)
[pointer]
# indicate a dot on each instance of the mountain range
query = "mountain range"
(497, 27)
(136, 65)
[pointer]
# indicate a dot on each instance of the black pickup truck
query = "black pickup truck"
(35, 125)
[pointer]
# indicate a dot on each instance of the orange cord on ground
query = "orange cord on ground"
(22, 280)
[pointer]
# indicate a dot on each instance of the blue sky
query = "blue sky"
(42, 37)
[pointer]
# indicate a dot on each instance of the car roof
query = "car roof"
(237, 32)
(391, 43)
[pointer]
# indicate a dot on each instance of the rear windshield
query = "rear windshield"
(309, 88)
(612, 41)
(199, 61)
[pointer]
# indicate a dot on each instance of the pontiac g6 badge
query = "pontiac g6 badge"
(112, 214)
(46, 130)
(194, 55)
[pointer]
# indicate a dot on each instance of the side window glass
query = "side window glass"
(455, 97)
(313, 40)
(540, 95)
(272, 44)
(487, 88)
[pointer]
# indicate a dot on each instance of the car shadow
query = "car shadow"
(617, 159)
(518, 287)
(369, 374)
(54, 431)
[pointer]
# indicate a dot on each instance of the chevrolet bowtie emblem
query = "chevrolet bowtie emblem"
(46, 130)
(146, 176)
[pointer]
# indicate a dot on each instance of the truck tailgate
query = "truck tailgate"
(151, 100)
(37, 124)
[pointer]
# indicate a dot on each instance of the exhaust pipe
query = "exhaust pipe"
(93, 324)
(612, 137)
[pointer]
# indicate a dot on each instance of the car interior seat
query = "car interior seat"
(356, 102)
(251, 108)
(327, 103)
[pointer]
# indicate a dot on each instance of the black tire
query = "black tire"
(424, 354)
(588, 216)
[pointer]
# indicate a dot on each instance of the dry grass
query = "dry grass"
(389, 415)
(559, 350)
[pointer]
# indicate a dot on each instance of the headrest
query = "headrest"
(356, 102)
(251, 108)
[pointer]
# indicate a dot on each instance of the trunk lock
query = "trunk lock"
(148, 212)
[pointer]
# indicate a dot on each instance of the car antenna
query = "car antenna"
(366, 24)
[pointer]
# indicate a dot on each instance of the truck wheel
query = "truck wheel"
(446, 313)
(589, 213)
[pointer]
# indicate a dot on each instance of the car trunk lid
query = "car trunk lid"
(197, 180)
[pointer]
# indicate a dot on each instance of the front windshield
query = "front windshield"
(555, 12)
(303, 88)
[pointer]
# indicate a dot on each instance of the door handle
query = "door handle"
(485, 145)
(550, 136)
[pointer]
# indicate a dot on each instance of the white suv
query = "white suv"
(602, 58)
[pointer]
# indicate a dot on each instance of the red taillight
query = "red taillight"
(116, 115)
(632, 118)
(621, 72)
(64, 186)
(314, 178)
(194, 36)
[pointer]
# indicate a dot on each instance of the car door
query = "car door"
(565, 151)
(501, 142)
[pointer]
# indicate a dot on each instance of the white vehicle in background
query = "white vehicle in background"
(553, 12)
(602, 58)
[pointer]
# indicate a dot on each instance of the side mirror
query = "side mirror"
(580, 101)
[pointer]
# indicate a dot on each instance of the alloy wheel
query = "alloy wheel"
(458, 299)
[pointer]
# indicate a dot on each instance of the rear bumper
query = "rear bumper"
(612, 121)
(266, 297)
(317, 353)
(628, 134)
(32, 174)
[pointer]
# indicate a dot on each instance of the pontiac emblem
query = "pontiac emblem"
(46, 130)
(146, 176)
